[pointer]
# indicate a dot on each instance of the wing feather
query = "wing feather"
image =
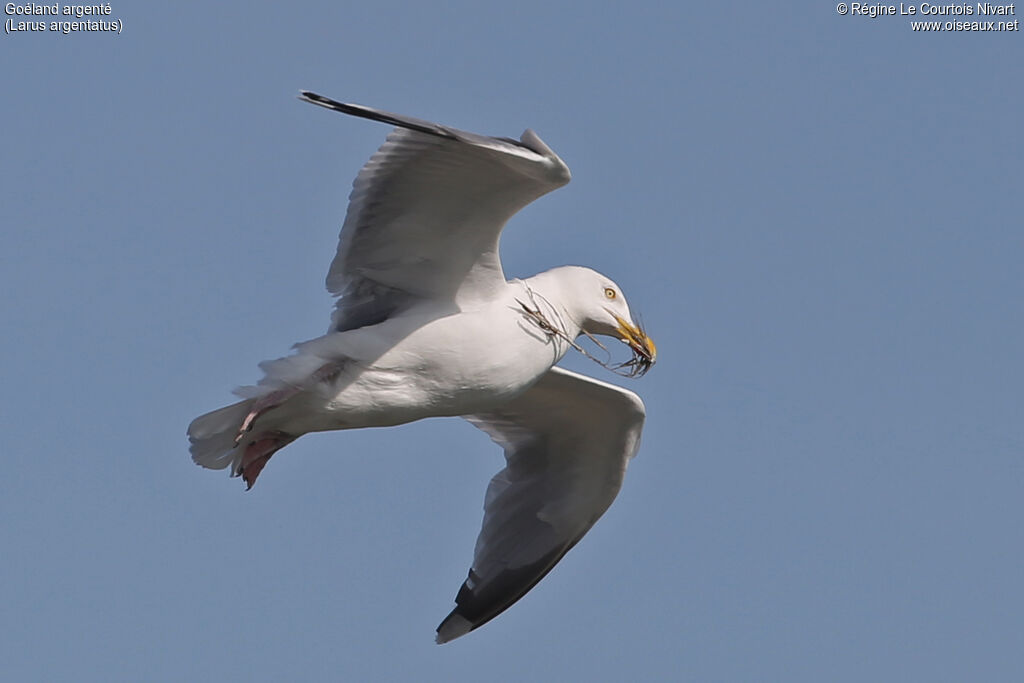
(426, 213)
(567, 442)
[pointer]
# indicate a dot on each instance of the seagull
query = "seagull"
(426, 325)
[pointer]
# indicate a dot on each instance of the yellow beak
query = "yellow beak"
(645, 353)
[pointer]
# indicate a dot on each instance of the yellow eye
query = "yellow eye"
(609, 293)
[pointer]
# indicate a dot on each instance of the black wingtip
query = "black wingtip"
(316, 98)
(377, 115)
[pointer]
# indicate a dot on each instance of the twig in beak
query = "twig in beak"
(637, 366)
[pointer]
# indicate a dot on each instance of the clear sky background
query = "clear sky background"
(818, 216)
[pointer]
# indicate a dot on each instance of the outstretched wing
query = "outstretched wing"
(567, 441)
(426, 213)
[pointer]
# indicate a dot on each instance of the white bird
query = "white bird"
(426, 325)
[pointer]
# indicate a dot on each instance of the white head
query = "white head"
(598, 306)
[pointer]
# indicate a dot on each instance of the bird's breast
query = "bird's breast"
(482, 357)
(455, 365)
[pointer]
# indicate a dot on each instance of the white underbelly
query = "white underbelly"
(451, 366)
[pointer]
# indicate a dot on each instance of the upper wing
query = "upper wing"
(426, 212)
(567, 441)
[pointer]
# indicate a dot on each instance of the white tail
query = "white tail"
(212, 436)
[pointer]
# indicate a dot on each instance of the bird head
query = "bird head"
(600, 308)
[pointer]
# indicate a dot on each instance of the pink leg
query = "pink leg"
(262, 405)
(325, 373)
(258, 453)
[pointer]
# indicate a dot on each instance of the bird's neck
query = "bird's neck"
(542, 294)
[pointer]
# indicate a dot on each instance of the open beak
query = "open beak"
(644, 351)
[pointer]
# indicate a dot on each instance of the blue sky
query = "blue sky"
(818, 216)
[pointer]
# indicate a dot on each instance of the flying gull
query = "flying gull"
(426, 325)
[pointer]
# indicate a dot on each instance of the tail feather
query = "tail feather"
(212, 436)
